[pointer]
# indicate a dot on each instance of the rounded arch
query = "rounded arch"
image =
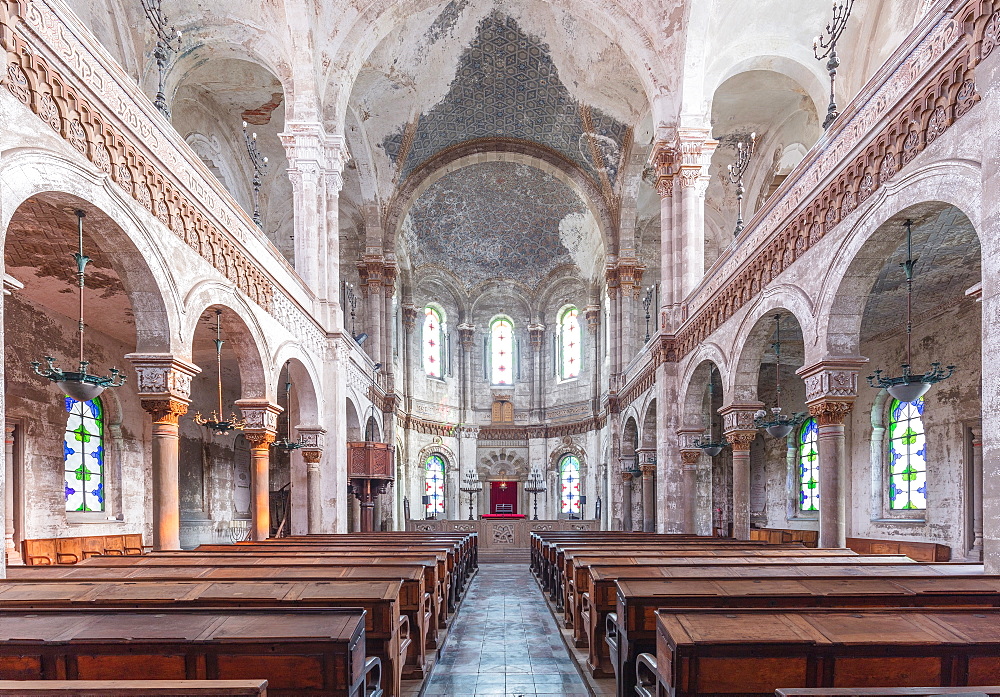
(754, 336)
(630, 435)
(648, 437)
(805, 75)
(352, 419)
(698, 397)
(305, 386)
(135, 252)
(863, 250)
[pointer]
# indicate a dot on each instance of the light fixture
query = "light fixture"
(744, 151)
(168, 40)
(216, 424)
(80, 385)
(360, 338)
(710, 447)
(779, 425)
(503, 486)
(535, 485)
(826, 47)
(471, 485)
(287, 444)
(259, 164)
(909, 387)
(347, 293)
(646, 302)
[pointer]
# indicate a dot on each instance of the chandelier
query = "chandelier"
(710, 447)
(80, 385)
(778, 425)
(908, 387)
(215, 423)
(286, 443)
(535, 485)
(471, 485)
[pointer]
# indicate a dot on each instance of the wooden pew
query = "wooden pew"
(918, 551)
(133, 688)
(387, 633)
(809, 538)
(631, 629)
(755, 652)
(298, 652)
(71, 550)
(983, 691)
(415, 602)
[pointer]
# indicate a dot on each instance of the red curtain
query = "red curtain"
(503, 494)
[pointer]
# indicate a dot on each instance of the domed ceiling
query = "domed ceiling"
(501, 220)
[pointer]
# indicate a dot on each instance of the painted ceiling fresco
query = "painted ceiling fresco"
(948, 261)
(507, 86)
(496, 220)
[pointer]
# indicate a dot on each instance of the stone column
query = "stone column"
(738, 425)
(13, 554)
(303, 143)
(536, 337)
(976, 553)
(663, 160)
(467, 446)
(335, 151)
(389, 273)
(164, 387)
(466, 339)
(627, 501)
(336, 500)
(831, 387)
(537, 460)
(648, 494)
(630, 272)
(696, 148)
(614, 319)
(314, 437)
(690, 459)
(370, 271)
(262, 429)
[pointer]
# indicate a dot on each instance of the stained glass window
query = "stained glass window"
(808, 467)
(502, 350)
(569, 477)
(433, 340)
(907, 456)
(569, 343)
(83, 456)
(434, 485)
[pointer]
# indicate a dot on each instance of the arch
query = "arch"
(570, 475)
(435, 471)
(697, 412)
(352, 420)
(860, 254)
(305, 379)
(117, 224)
(649, 435)
(805, 75)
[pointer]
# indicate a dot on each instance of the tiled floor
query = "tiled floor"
(504, 641)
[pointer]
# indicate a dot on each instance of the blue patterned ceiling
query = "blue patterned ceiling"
(495, 220)
(507, 86)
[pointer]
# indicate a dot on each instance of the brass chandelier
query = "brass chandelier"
(215, 423)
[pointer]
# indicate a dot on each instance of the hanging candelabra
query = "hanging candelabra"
(259, 164)
(778, 425)
(744, 151)
(347, 293)
(908, 387)
(535, 486)
(825, 46)
(646, 302)
(711, 446)
(286, 443)
(471, 485)
(80, 385)
(215, 423)
(168, 40)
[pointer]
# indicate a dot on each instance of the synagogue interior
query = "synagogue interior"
(389, 348)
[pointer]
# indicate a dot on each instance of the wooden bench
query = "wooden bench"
(133, 688)
(808, 538)
(71, 550)
(918, 551)
(988, 691)
(387, 633)
(631, 628)
(755, 652)
(298, 652)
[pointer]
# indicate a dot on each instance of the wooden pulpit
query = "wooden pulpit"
(369, 470)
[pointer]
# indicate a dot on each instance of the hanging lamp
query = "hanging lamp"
(779, 425)
(215, 423)
(287, 444)
(80, 385)
(710, 447)
(909, 387)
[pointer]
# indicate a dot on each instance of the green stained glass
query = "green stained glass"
(83, 456)
(907, 456)
(808, 466)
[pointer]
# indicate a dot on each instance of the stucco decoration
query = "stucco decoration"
(500, 220)
(507, 85)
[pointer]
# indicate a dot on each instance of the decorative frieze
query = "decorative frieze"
(162, 376)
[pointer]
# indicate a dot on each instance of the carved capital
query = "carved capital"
(626, 476)
(593, 316)
(690, 457)
(686, 438)
(835, 378)
(260, 415)
(314, 437)
(312, 457)
(536, 332)
(741, 440)
(739, 416)
(647, 471)
(466, 336)
(830, 412)
(410, 314)
(259, 440)
(162, 376)
(663, 161)
(165, 411)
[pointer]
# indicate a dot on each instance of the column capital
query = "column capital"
(832, 379)
(312, 457)
(593, 316)
(165, 410)
(466, 335)
(739, 416)
(689, 458)
(259, 440)
(830, 412)
(647, 471)
(626, 476)
(313, 439)
(536, 333)
(686, 438)
(162, 376)
(741, 440)
(8, 431)
(261, 416)
(663, 159)
(336, 157)
(410, 314)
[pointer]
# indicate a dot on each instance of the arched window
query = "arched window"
(569, 478)
(907, 456)
(434, 485)
(569, 343)
(83, 456)
(433, 341)
(808, 467)
(502, 351)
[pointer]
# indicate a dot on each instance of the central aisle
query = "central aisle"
(504, 641)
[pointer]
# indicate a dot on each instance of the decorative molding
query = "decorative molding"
(260, 440)
(739, 417)
(835, 378)
(165, 411)
(831, 412)
(260, 415)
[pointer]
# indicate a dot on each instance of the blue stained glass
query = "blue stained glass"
(569, 477)
(907, 456)
(434, 484)
(83, 456)
(808, 466)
